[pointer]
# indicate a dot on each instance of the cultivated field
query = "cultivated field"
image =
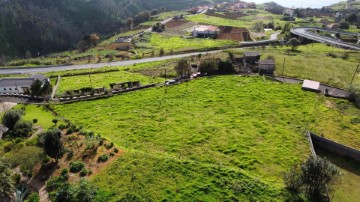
(240, 125)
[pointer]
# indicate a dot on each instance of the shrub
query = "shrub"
(76, 166)
(312, 176)
(116, 150)
(354, 95)
(69, 131)
(70, 154)
(34, 120)
(292, 179)
(55, 121)
(22, 129)
(11, 117)
(103, 158)
(109, 146)
(33, 197)
(65, 173)
(112, 154)
(84, 172)
(333, 55)
(62, 127)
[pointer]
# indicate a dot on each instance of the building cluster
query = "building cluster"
(236, 7)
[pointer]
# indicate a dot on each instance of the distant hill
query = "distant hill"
(272, 7)
(351, 4)
(44, 26)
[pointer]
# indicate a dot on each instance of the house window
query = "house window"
(15, 88)
(10, 89)
(4, 88)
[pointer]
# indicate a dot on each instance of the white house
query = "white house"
(205, 31)
(19, 85)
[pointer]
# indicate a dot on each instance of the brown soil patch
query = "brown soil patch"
(175, 23)
(114, 46)
(84, 150)
(234, 33)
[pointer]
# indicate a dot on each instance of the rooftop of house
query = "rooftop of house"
(21, 81)
(204, 28)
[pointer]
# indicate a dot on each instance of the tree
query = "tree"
(53, 145)
(182, 67)
(259, 26)
(316, 174)
(84, 191)
(313, 177)
(344, 25)
(294, 43)
(22, 129)
(6, 184)
(11, 117)
(36, 88)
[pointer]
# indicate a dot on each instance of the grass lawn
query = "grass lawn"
(311, 62)
(103, 80)
(38, 112)
(346, 188)
(225, 122)
(146, 73)
(247, 21)
(177, 43)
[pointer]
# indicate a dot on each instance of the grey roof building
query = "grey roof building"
(19, 85)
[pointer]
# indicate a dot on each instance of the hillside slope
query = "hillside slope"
(43, 26)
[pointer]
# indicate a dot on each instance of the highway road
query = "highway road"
(307, 32)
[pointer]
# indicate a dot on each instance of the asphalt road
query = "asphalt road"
(33, 70)
(306, 33)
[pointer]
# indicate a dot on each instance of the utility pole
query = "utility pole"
(356, 71)
(282, 74)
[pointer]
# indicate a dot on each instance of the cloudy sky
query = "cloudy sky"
(300, 3)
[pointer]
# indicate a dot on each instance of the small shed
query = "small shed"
(251, 57)
(311, 85)
(266, 67)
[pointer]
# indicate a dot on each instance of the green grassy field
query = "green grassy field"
(226, 122)
(146, 73)
(103, 80)
(38, 112)
(247, 21)
(177, 44)
(312, 62)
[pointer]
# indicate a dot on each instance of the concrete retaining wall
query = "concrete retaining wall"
(335, 147)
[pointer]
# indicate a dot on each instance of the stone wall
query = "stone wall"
(335, 147)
